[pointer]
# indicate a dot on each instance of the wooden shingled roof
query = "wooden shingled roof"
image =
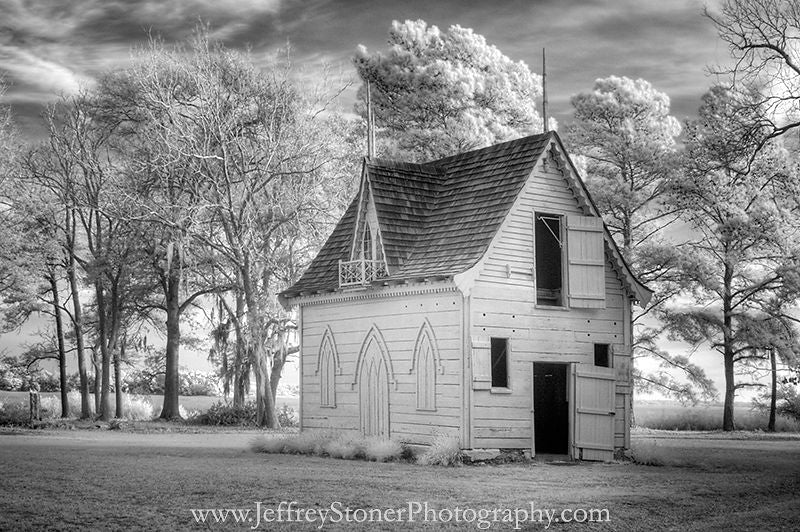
(436, 219)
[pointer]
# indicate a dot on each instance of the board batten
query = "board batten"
(503, 305)
(398, 320)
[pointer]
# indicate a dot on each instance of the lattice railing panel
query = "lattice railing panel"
(361, 272)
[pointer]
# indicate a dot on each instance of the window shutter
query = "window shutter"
(481, 363)
(587, 262)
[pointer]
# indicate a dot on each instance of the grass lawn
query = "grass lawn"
(116, 480)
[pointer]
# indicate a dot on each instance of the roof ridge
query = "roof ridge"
(491, 147)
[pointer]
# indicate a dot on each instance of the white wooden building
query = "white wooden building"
(479, 295)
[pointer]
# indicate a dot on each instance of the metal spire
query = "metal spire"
(370, 124)
(544, 94)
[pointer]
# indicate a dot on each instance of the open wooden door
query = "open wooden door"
(593, 418)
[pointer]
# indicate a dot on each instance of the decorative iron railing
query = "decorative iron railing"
(361, 272)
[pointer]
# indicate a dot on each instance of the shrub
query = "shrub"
(17, 413)
(50, 406)
(222, 413)
(382, 450)
(137, 408)
(287, 416)
(268, 444)
(303, 443)
(789, 397)
(48, 382)
(75, 403)
(344, 448)
(192, 416)
(444, 450)
(306, 443)
(324, 443)
(199, 383)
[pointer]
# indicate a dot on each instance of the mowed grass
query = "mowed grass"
(113, 481)
(670, 415)
(191, 403)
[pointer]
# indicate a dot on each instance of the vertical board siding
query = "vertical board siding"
(400, 321)
(502, 305)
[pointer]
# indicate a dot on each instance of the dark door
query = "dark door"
(550, 408)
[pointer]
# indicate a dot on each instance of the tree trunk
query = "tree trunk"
(83, 376)
(119, 354)
(240, 366)
(98, 375)
(275, 375)
(62, 354)
(171, 408)
(105, 355)
(773, 396)
(265, 401)
(278, 362)
(727, 322)
(730, 393)
(256, 333)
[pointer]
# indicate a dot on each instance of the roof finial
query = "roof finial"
(544, 94)
(370, 124)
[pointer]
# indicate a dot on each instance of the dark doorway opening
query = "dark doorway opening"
(551, 408)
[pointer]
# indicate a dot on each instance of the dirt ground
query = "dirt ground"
(130, 481)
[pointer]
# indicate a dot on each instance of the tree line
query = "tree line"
(188, 183)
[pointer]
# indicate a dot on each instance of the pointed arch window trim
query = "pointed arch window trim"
(426, 370)
(328, 367)
(374, 334)
(426, 328)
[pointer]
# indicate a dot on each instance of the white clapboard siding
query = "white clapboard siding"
(428, 323)
(594, 412)
(502, 304)
(587, 262)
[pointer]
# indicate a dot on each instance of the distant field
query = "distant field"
(198, 403)
(670, 415)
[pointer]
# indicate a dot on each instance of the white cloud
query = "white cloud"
(32, 77)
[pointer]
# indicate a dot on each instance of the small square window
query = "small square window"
(499, 362)
(602, 355)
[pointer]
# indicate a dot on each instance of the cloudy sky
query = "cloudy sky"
(49, 47)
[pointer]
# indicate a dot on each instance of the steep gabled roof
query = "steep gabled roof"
(438, 219)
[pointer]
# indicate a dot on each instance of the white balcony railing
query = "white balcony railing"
(361, 272)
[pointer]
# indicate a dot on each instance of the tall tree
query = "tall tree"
(232, 170)
(436, 93)
(624, 131)
(270, 172)
(149, 106)
(740, 197)
(40, 217)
